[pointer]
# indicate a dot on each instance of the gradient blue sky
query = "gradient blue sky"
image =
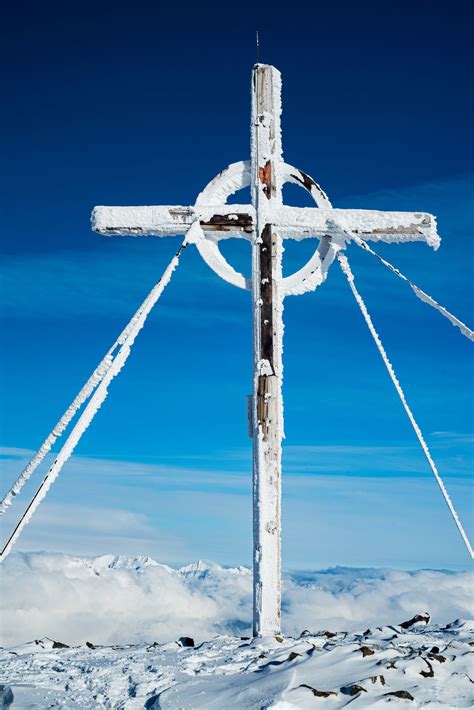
(143, 104)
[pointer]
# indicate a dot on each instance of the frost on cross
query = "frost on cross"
(265, 223)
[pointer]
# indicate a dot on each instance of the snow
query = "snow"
(234, 178)
(133, 611)
(226, 183)
(310, 671)
(291, 222)
(159, 221)
(375, 225)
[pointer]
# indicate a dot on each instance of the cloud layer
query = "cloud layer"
(120, 600)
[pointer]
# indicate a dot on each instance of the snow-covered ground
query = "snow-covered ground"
(122, 621)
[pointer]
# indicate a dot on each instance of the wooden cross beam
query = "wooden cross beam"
(266, 222)
(226, 221)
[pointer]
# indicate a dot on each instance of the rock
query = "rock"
(437, 657)
(279, 638)
(329, 634)
(90, 645)
(435, 649)
(366, 651)
(379, 678)
(293, 655)
(186, 641)
(318, 693)
(419, 619)
(58, 644)
(306, 632)
(403, 694)
(430, 672)
(353, 689)
(6, 696)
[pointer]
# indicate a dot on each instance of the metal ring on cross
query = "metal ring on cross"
(236, 177)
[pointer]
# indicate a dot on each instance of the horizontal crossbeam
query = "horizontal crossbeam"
(226, 221)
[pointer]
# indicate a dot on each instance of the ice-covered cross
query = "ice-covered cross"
(266, 223)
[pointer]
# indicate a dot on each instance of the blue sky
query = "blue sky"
(109, 105)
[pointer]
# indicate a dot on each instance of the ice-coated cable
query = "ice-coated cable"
(465, 330)
(57, 430)
(86, 391)
(350, 278)
(125, 342)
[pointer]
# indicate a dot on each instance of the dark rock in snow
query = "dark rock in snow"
(379, 678)
(418, 619)
(366, 651)
(318, 693)
(58, 644)
(90, 645)
(329, 634)
(353, 689)
(294, 655)
(186, 641)
(403, 694)
(6, 696)
(437, 657)
(430, 672)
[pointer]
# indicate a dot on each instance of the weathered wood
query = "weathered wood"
(267, 306)
(266, 249)
(238, 221)
(226, 223)
(163, 221)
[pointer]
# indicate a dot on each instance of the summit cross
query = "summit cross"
(266, 222)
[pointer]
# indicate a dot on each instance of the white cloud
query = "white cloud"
(76, 600)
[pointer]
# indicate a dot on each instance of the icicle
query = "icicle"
(350, 278)
(100, 380)
(465, 330)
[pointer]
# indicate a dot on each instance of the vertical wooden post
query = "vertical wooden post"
(267, 339)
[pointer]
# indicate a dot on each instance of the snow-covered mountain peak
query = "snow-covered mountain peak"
(122, 562)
